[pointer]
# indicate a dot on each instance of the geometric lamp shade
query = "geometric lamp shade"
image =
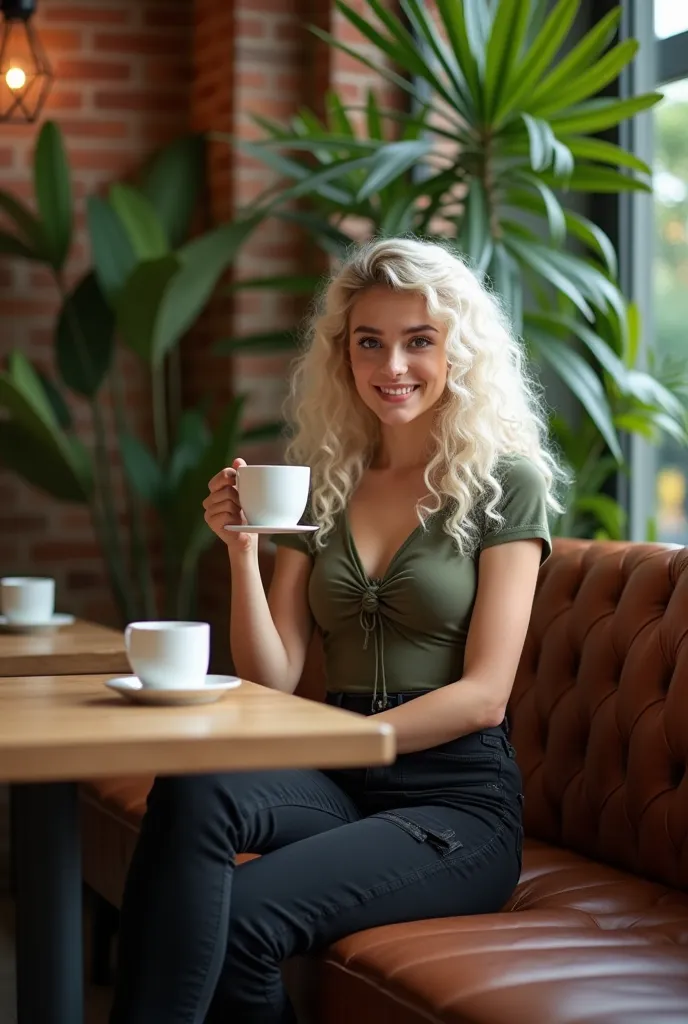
(25, 73)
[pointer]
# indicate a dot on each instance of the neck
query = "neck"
(404, 447)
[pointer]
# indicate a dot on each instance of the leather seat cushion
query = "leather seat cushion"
(534, 967)
(578, 943)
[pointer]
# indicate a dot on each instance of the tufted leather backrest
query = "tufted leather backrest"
(599, 710)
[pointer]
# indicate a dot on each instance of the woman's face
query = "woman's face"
(398, 355)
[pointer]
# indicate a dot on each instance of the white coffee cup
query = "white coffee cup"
(27, 600)
(273, 495)
(169, 655)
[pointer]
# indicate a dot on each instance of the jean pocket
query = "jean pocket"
(425, 828)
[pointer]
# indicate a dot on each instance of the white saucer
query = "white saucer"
(215, 687)
(57, 621)
(270, 529)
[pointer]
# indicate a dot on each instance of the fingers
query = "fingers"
(226, 476)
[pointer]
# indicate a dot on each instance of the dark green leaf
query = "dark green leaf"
(594, 237)
(140, 221)
(538, 258)
(39, 464)
(605, 152)
(542, 142)
(26, 222)
(186, 510)
(454, 22)
(478, 19)
(591, 82)
(172, 183)
(138, 305)
(579, 57)
(292, 169)
(203, 261)
(57, 402)
(53, 193)
(291, 284)
(503, 52)
(607, 511)
(328, 237)
(423, 23)
(390, 163)
(192, 440)
(506, 281)
(374, 121)
(142, 470)
(263, 432)
(582, 381)
(337, 118)
(474, 237)
(84, 340)
(112, 252)
(11, 246)
(594, 178)
(270, 341)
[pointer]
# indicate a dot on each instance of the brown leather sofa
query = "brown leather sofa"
(597, 930)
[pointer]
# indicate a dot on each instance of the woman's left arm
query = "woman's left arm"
(507, 574)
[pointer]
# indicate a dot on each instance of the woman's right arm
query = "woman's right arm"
(269, 637)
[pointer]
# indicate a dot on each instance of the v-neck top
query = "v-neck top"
(407, 630)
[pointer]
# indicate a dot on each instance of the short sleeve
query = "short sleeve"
(523, 505)
(297, 541)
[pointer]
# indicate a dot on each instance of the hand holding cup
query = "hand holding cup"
(223, 508)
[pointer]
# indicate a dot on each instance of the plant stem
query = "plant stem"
(138, 548)
(160, 412)
(106, 517)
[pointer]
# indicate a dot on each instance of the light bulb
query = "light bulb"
(15, 78)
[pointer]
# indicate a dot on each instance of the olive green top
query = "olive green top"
(407, 630)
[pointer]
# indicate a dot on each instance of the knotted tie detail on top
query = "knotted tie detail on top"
(372, 623)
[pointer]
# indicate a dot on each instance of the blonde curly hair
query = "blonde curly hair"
(491, 407)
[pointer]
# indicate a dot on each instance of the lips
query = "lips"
(398, 390)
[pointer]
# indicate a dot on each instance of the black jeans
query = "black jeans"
(436, 834)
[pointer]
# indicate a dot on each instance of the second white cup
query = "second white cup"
(169, 655)
(27, 600)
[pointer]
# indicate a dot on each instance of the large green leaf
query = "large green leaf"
(53, 194)
(138, 305)
(592, 82)
(537, 257)
(593, 178)
(203, 262)
(140, 221)
(172, 183)
(84, 340)
(293, 169)
(605, 152)
(538, 57)
(607, 511)
(582, 381)
(57, 401)
(113, 254)
(475, 238)
(192, 439)
(39, 464)
(423, 23)
(454, 23)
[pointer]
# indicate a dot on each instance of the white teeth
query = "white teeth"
(398, 391)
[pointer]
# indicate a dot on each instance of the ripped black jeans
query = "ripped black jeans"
(436, 834)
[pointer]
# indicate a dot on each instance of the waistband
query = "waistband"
(370, 703)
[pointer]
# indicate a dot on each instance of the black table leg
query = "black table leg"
(48, 893)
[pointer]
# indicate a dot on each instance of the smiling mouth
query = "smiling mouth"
(399, 391)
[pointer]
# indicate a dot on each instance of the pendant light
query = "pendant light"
(25, 73)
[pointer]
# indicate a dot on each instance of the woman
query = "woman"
(431, 484)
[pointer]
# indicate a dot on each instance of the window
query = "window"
(670, 277)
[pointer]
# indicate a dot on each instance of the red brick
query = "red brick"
(21, 524)
(56, 40)
(92, 71)
(252, 79)
(64, 99)
(100, 14)
(95, 129)
(135, 42)
(250, 27)
(6, 156)
(26, 307)
(139, 100)
(63, 551)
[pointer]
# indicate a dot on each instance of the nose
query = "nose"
(397, 363)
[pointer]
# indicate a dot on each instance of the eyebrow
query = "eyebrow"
(409, 330)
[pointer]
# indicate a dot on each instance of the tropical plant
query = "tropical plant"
(499, 136)
(147, 287)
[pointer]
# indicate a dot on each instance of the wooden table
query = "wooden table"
(82, 648)
(57, 729)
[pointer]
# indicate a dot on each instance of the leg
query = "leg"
(391, 867)
(48, 889)
(175, 912)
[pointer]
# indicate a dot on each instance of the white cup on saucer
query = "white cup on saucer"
(169, 655)
(27, 600)
(273, 495)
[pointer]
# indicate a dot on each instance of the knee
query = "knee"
(182, 801)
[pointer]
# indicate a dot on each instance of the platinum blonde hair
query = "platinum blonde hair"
(490, 410)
